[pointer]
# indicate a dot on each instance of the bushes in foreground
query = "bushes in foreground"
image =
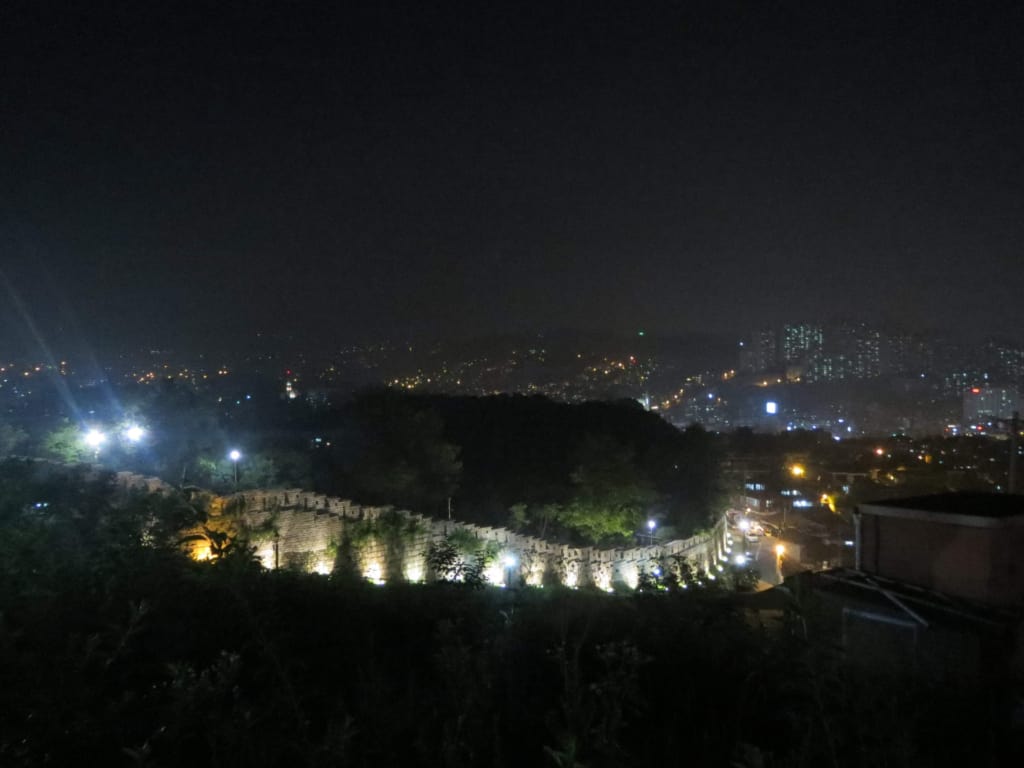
(117, 650)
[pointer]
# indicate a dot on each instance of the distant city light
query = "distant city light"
(771, 407)
(797, 470)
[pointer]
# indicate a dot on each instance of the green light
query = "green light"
(639, 333)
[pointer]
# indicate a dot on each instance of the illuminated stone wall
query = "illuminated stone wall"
(312, 532)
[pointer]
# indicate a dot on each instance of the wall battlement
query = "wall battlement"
(311, 531)
(317, 533)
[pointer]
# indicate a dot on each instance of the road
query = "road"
(763, 558)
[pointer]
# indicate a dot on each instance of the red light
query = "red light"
(975, 390)
(288, 372)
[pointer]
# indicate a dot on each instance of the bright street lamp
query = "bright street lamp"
(509, 561)
(133, 433)
(94, 438)
(234, 454)
(650, 528)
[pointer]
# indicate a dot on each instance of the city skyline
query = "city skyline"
(188, 177)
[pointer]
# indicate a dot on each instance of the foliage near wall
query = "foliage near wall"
(116, 649)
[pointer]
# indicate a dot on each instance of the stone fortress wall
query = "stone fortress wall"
(313, 532)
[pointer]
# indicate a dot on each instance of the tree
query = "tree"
(611, 495)
(11, 438)
(65, 444)
(404, 458)
(448, 562)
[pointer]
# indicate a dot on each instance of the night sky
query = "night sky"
(176, 174)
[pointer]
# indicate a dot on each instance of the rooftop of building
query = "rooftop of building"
(924, 606)
(991, 505)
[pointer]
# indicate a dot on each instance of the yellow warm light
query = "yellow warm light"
(374, 573)
(266, 557)
(829, 502)
(631, 577)
(797, 470)
(780, 550)
(495, 574)
(201, 552)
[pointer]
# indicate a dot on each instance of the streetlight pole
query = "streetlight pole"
(1011, 484)
(650, 529)
(510, 563)
(235, 455)
(95, 438)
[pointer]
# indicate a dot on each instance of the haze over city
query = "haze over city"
(191, 175)
(511, 384)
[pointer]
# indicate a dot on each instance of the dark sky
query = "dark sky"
(172, 173)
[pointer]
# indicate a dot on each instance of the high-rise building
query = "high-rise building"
(800, 342)
(868, 354)
(1005, 362)
(758, 352)
(846, 351)
(986, 403)
(906, 354)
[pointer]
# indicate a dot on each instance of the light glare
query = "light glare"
(134, 433)
(94, 438)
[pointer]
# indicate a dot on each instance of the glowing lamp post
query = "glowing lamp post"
(510, 563)
(133, 433)
(651, 525)
(234, 454)
(95, 439)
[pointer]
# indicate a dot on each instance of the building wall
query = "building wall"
(982, 404)
(978, 563)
